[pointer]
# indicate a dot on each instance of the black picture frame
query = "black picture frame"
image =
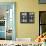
(31, 17)
(26, 17)
(42, 1)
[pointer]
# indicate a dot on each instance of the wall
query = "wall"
(24, 30)
(27, 30)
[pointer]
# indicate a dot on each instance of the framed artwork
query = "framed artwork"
(27, 17)
(42, 1)
(23, 17)
(31, 17)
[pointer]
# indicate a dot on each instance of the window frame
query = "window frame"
(41, 2)
(39, 22)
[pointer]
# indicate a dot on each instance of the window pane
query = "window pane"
(2, 23)
(42, 17)
(2, 28)
(43, 28)
(2, 35)
(9, 34)
(42, 1)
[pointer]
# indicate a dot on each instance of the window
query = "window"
(7, 21)
(42, 1)
(42, 22)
